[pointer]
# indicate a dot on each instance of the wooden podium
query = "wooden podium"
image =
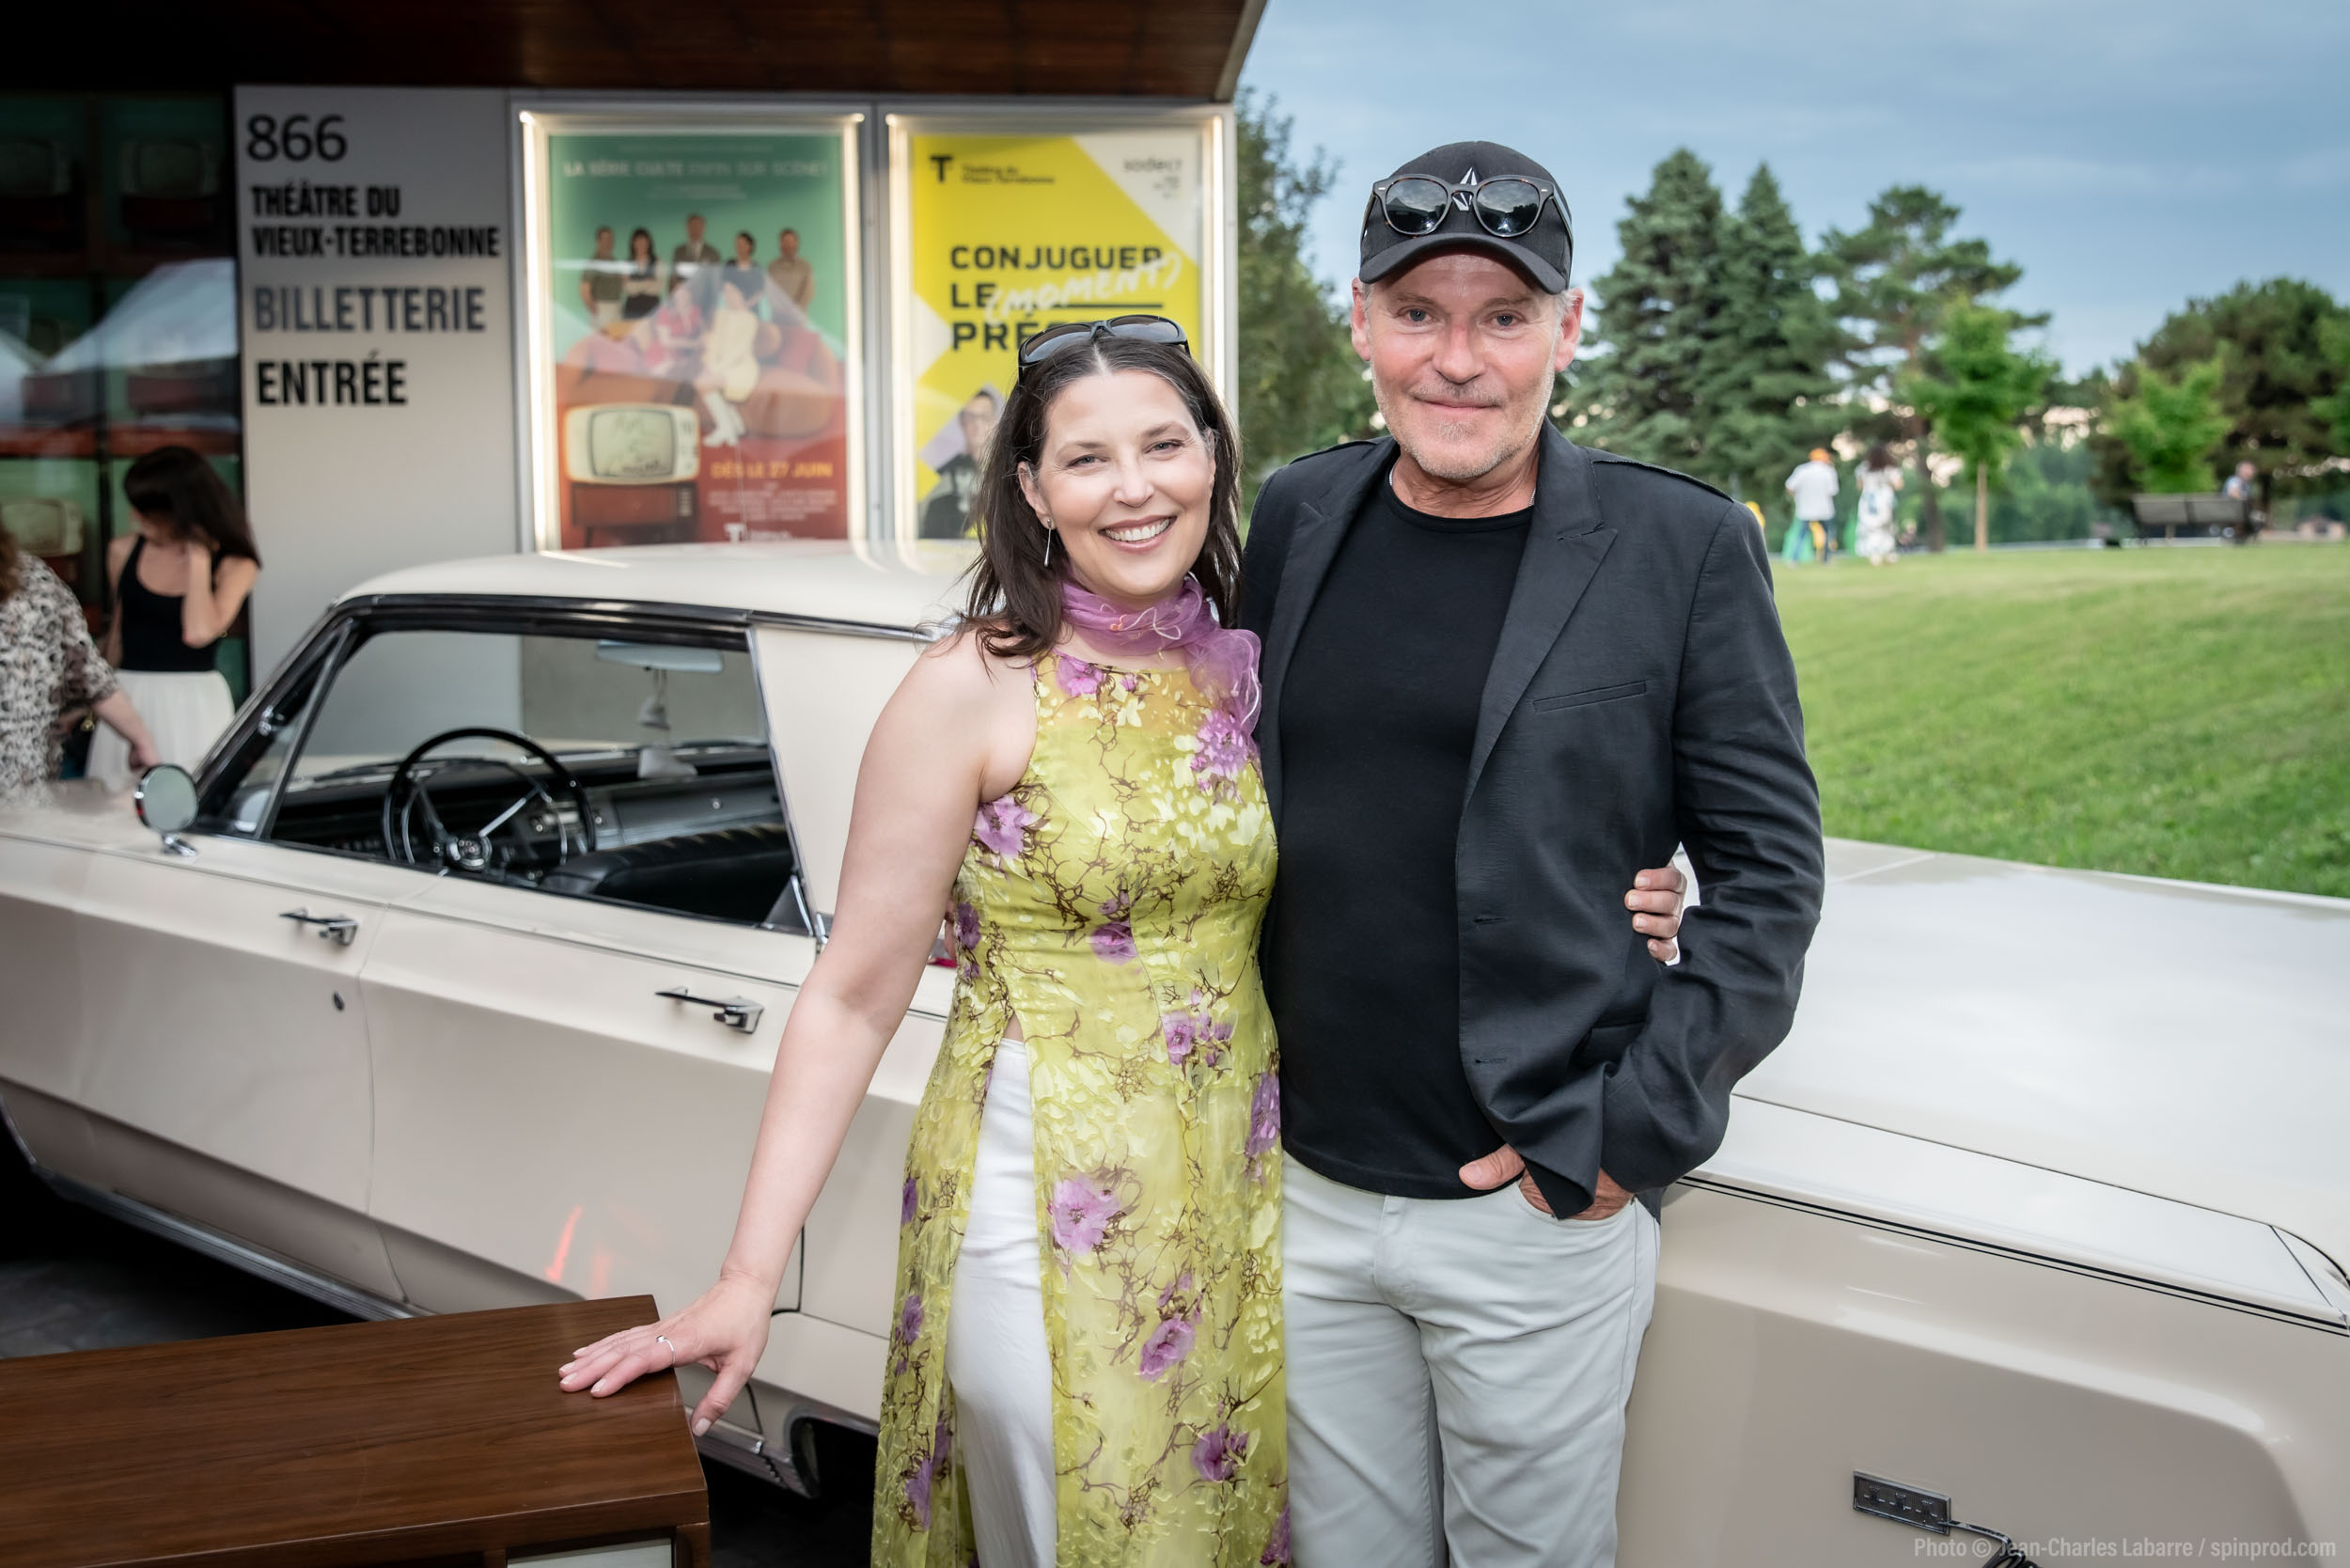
(436, 1442)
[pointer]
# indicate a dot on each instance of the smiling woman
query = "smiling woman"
(1074, 778)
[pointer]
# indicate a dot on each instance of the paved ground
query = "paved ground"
(72, 1280)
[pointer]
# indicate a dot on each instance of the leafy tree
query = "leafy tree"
(2275, 388)
(2334, 340)
(1645, 393)
(1974, 391)
(1767, 397)
(1301, 385)
(2171, 429)
(1897, 277)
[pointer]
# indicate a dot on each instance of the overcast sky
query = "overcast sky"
(2129, 153)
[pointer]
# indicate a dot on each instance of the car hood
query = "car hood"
(2178, 1039)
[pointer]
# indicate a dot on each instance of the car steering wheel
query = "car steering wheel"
(471, 852)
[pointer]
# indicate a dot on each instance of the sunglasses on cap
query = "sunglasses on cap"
(1505, 207)
(1070, 334)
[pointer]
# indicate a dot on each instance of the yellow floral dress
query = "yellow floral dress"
(1111, 903)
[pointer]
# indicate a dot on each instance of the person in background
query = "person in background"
(1880, 476)
(47, 664)
(1813, 487)
(2244, 485)
(640, 285)
(791, 271)
(695, 252)
(179, 582)
(600, 282)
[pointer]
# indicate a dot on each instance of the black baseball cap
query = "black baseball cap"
(1545, 253)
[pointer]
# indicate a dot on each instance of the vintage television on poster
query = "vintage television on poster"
(1011, 221)
(692, 325)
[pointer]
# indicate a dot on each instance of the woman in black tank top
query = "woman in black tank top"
(179, 582)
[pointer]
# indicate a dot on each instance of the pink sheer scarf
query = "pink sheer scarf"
(1222, 659)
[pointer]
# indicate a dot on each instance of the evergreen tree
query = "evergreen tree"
(2171, 429)
(1645, 393)
(1897, 276)
(1976, 392)
(1767, 394)
(1301, 384)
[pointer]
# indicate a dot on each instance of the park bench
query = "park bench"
(2225, 516)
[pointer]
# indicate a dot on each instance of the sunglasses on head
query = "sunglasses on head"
(1506, 207)
(1069, 335)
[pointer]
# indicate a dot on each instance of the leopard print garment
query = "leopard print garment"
(47, 663)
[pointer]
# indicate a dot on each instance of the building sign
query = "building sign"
(695, 295)
(374, 299)
(1008, 235)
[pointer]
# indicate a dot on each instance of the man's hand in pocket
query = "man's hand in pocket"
(1503, 1163)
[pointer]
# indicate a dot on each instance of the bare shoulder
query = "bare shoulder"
(119, 551)
(957, 674)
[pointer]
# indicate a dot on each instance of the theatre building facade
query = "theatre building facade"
(557, 282)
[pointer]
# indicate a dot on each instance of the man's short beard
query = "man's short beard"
(1451, 470)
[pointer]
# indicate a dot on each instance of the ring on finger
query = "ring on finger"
(673, 1355)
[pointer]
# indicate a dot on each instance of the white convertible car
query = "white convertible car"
(459, 983)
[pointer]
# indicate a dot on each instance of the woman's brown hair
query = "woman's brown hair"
(1015, 600)
(176, 485)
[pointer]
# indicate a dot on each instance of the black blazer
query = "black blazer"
(1642, 695)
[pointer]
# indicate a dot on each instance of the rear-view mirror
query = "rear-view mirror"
(662, 656)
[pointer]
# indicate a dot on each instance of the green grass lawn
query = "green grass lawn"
(2177, 713)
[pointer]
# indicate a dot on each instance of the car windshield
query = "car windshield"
(581, 699)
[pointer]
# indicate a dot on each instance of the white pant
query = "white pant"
(1458, 1371)
(997, 1361)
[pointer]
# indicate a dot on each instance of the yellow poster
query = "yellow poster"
(1009, 235)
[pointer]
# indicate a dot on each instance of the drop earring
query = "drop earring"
(1049, 532)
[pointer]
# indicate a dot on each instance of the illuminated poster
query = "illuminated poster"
(698, 296)
(1008, 235)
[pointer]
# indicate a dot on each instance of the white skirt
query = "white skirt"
(185, 711)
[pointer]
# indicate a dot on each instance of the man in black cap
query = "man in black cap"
(1501, 671)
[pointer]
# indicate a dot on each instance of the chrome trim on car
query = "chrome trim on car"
(2325, 1323)
(236, 1254)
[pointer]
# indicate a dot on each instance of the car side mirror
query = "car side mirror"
(167, 803)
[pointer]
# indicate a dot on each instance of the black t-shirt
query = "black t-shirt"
(1378, 717)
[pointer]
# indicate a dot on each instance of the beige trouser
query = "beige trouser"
(1458, 1371)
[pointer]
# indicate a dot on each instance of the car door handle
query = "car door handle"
(332, 928)
(739, 1013)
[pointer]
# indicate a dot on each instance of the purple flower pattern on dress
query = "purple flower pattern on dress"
(1169, 1344)
(906, 1202)
(1114, 943)
(1226, 747)
(910, 1321)
(1076, 677)
(1264, 1116)
(1217, 1454)
(967, 928)
(1002, 827)
(1181, 1030)
(1277, 1547)
(1081, 1214)
(926, 1474)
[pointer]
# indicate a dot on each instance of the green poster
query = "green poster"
(700, 288)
